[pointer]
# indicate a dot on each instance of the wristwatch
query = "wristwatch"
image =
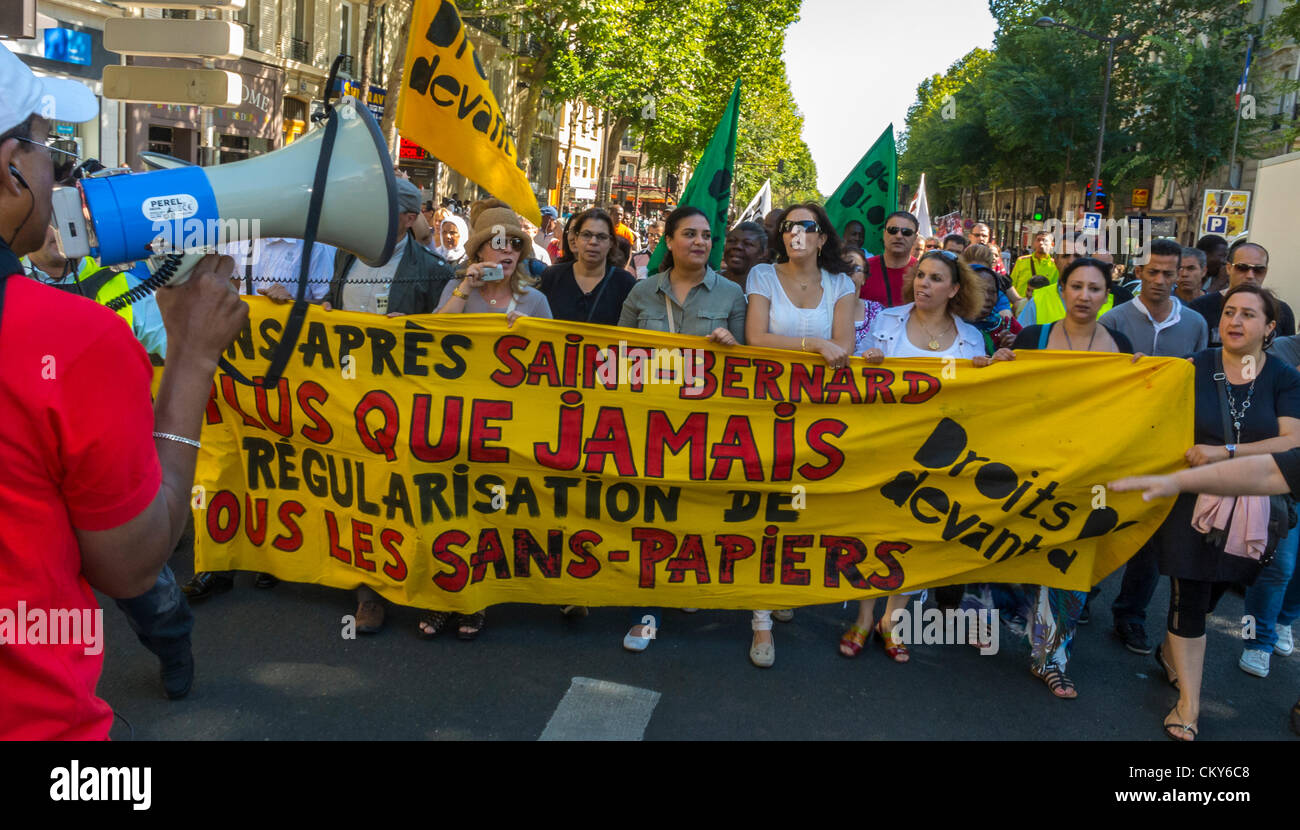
(1232, 450)
(456, 292)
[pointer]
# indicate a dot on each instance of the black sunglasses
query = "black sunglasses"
(514, 242)
(1242, 267)
(807, 224)
(63, 163)
(894, 230)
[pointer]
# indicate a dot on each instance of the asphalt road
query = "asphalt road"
(272, 665)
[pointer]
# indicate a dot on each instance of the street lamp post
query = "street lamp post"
(1110, 41)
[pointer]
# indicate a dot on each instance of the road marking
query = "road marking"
(598, 710)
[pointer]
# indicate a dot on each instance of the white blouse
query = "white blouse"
(788, 320)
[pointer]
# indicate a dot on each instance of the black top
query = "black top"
(1210, 306)
(1276, 395)
(1289, 463)
(1182, 551)
(603, 305)
(1029, 336)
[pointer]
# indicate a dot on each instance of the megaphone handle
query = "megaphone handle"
(293, 325)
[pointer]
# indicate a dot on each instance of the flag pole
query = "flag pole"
(1236, 121)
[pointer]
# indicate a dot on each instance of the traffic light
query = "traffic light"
(1040, 206)
(1102, 203)
(672, 182)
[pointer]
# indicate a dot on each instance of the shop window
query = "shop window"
(162, 140)
(233, 148)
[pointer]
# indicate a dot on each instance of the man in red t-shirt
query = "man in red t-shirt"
(885, 273)
(96, 484)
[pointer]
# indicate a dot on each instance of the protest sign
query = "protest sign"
(452, 463)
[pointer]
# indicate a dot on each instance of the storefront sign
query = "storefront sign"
(258, 115)
(67, 45)
(375, 101)
(410, 151)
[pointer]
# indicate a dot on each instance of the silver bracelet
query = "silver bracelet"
(178, 438)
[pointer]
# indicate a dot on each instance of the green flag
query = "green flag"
(870, 192)
(710, 186)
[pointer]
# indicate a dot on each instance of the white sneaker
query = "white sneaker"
(1285, 644)
(1254, 661)
(632, 642)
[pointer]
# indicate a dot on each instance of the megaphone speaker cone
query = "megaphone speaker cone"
(358, 210)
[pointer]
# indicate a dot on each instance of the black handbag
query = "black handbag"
(1281, 513)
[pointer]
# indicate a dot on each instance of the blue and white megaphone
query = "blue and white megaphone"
(135, 216)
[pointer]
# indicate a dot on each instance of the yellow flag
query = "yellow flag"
(447, 107)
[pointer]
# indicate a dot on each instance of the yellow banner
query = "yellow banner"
(447, 107)
(452, 463)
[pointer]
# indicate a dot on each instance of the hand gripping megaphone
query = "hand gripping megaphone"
(135, 216)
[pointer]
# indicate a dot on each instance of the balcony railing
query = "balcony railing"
(494, 25)
(299, 50)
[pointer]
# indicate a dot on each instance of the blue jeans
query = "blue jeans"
(1274, 599)
(161, 617)
(1141, 576)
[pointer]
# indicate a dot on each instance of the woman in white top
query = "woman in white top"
(804, 303)
(941, 292)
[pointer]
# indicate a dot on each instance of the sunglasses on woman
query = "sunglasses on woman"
(514, 243)
(807, 224)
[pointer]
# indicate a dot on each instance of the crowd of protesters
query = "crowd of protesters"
(112, 518)
(802, 287)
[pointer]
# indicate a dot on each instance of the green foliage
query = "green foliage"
(769, 143)
(1028, 111)
(681, 59)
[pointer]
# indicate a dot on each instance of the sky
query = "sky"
(854, 66)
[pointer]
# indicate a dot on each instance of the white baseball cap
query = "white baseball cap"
(54, 99)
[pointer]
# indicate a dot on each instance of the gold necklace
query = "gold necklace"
(934, 345)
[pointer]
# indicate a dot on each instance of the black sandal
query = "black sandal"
(1170, 675)
(1056, 681)
(436, 622)
(1186, 727)
(474, 622)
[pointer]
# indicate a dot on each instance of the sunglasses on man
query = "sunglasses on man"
(63, 163)
(1246, 268)
(894, 230)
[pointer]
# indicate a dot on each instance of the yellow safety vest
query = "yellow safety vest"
(1049, 307)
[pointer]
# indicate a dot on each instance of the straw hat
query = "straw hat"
(490, 222)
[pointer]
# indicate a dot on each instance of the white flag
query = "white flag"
(759, 206)
(921, 210)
